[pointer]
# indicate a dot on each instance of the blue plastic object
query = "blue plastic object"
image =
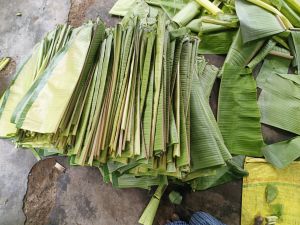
(199, 218)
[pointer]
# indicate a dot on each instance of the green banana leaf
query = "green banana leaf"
(207, 145)
(121, 7)
(287, 10)
(175, 197)
(19, 86)
(279, 102)
(268, 47)
(271, 66)
(170, 7)
(294, 4)
(29, 115)
(240, 54)
(238, 113)
(256, 22)
(222, 175)
(296, 42)
(32, 68)
(216, 43)
(187, 13)
(290, 14)
(149, 213)
(283, 153)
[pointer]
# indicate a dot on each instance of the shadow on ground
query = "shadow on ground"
(79, 196)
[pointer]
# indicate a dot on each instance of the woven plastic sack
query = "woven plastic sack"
(254, 201)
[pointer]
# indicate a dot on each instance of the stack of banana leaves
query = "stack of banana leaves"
(134, 99)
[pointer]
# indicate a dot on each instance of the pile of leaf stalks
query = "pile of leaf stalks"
(133, 100)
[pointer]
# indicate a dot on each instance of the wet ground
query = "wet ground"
(37, 192)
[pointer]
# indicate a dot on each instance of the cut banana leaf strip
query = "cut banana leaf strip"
(271, 66)
(207, 75)
(238, 113)
(256, 22)
(283, 153)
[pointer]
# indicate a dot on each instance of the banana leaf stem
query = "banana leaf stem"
(294, 4)
(281, 54)
(209, 6)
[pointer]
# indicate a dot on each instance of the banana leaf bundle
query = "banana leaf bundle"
(133, 100)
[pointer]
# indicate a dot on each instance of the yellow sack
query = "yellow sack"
(287, 182)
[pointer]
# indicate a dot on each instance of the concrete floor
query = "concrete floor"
(77, 196)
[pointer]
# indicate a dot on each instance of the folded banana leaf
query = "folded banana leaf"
(283, 153)
(207, 145)
(121, 7)
(69, 63)
(31, 70)
(279, 102)
(221, 175)
(238, 113)
(281, 17)
(256, 22)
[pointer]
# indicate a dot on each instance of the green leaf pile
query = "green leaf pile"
(134, 99)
